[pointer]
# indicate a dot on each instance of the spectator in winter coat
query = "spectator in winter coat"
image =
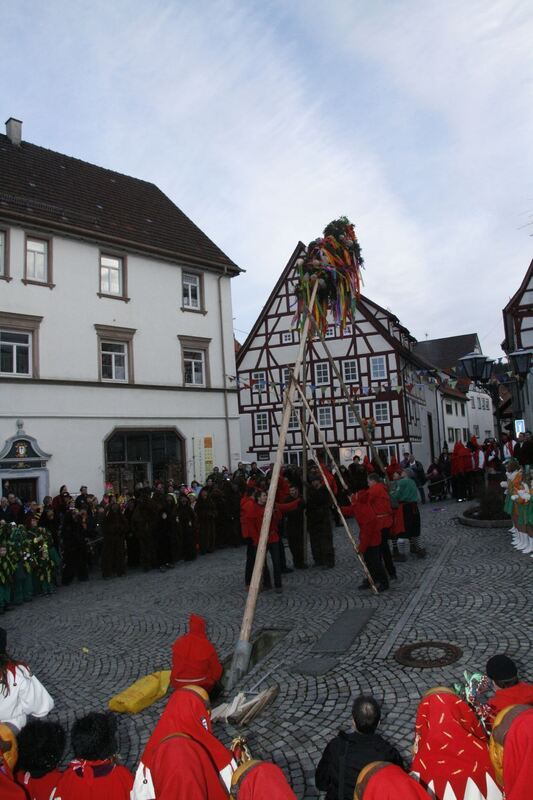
(348, 753)
(293, 510)
(358, 475)
(194, 658)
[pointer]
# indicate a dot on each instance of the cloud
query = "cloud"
(265, 121)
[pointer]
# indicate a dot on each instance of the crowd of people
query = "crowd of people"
(466, 746)
(48, 545)
(153, 527)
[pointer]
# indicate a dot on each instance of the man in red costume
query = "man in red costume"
(379, 499)
(369, 538)
(509, 691)
(183, 760)
(94, 773)
(194, 658)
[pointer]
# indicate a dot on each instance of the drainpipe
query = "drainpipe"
(224, 376)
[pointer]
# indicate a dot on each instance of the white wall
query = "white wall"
(70, 421)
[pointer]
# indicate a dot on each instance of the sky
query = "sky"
(264, 120)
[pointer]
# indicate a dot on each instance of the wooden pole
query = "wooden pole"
(243, 650)
(352, 405)
(344, 523)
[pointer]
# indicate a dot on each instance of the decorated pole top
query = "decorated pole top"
(335, 261)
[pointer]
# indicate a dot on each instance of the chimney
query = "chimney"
(14, 130)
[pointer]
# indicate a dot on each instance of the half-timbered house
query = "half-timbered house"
(518, 326)
(375, 357)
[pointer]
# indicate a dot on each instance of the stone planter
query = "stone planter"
(473, 522)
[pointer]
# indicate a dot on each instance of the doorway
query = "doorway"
(24, 488)
(431, 437)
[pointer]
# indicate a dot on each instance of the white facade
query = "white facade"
(480, 414)
(66, 404)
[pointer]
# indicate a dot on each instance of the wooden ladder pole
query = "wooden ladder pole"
(255, 583)
(344, 523)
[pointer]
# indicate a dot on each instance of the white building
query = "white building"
(465, 409)
(115, 330)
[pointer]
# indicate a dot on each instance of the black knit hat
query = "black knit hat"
(3, 640)
(501, 668)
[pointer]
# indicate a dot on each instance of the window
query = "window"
(488, 434)
(115, 353)
(112, 276)
(463, 412)
(450, 435)
(114, 357)
(378, 370)
(322, 374)
(347, 330)
(351, 419)
(473, 402)
(479, 402)
(349, 371)
(286, 337)
(195, 361)
(38, 265)
(192, 291)
(261, 422)
(381, 413)
(456, 409)
(19, 345)
(325, 417)
(476, 431)
(487, 404)
(465, 434)
(4, 255)
(15, 353)
(286, 375)
(259, 379)
(294, 420)
(330, 332)
(194, 367)
(449, 408)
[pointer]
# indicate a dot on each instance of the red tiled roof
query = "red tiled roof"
(49, 190)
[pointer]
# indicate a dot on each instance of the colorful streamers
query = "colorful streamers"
(335, 261)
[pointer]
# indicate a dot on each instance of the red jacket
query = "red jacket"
(182, 769)
(521, 694)
(257, 521)
(247, 515)
(194, 658)
(88, 780)
(39, 788)
(379, 500)
(369, 530)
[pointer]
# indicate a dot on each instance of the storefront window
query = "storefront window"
(138, 456)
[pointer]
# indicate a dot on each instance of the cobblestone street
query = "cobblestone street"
(92, 640)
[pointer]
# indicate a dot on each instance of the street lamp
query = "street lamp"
(474, 365)
(478, 368)
(520, 362)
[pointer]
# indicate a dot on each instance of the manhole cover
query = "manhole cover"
(428, 654)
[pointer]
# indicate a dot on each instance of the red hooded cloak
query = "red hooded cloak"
(451, 746)
(194, 658)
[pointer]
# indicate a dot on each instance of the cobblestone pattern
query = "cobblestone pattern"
(482, 601)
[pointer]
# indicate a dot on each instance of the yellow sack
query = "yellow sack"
(142, 693)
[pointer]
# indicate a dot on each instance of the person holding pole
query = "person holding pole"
(319, 523)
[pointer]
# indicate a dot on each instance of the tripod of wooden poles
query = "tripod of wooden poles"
(293, 392)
